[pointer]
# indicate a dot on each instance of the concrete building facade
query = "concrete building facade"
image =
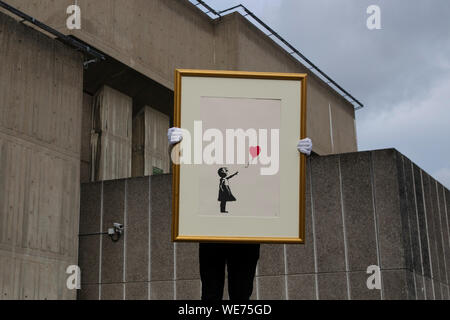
(154, 37)
(46, 127)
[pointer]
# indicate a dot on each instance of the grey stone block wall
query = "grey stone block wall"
(363, 209)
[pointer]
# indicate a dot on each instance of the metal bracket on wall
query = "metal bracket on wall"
(115, 233)
(88, 62)
(58, 35)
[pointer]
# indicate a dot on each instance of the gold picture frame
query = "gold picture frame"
(294, 78)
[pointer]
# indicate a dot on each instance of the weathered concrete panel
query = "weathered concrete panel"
(301, 258)
(41, 83)
(111, 136)
(387, 207)
(85, 169)
(150, 143)
(328, 224)
(332, 286)
(358, 208)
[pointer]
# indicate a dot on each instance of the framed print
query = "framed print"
(237, 173)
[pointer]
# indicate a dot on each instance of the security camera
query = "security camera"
(118, 227)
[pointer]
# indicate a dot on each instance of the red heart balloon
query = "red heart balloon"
(255, 151)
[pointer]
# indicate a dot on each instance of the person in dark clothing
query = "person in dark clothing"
(240, 259)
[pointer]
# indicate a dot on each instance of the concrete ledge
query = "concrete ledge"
(367, 208)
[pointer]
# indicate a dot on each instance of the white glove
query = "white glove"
(305, 146)
(175, 135)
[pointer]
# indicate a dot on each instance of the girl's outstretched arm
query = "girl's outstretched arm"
(233, 175)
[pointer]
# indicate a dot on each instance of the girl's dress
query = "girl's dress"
(225, 191)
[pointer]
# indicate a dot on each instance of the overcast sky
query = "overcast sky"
(401, 72)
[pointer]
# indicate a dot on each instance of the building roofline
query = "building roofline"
(284, 44)
(216, 15)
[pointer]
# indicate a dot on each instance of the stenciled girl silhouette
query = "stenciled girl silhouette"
(225, 194)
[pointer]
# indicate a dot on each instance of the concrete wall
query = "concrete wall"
(150, 145)
(86, 129)
(156, 36)
(111, 135)
(41, 83)
(370, 208)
